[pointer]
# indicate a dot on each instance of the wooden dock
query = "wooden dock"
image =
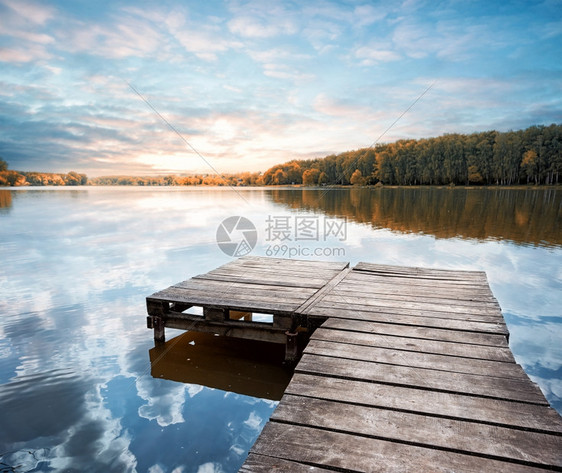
(407, 369)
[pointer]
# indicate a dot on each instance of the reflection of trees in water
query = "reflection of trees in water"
(5, 199)
(524, 216)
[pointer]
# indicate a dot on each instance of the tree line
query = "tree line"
(240, 179)
(25, 178)
(533, 155)
(530, 156)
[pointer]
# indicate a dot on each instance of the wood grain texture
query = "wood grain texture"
(455, 406)
(473, 333)
(502, 443)
(266, 464)
(409, 369)
(414, 359)
(360, 454)
(498, 388)
(417, 344)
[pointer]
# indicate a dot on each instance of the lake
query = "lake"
(83, 386)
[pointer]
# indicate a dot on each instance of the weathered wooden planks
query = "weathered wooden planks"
(414, 359)
(348, 452)
(461, 383)
(410, 369)
(473, 333)
(263, 285)
(538, 449)
(418, 345)
(266, 464)
(440, 404)
(322, 292)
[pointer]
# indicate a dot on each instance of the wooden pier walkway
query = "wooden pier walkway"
(407, 369)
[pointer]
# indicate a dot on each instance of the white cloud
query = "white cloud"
(164, 404)
(126, 37)
(368, 14)
(204, 44)
(257, 19)
(251, 27)
(373, 55)
(22, 55)
(22, 23)
(30, 12)
(210, 468)
(254, 421)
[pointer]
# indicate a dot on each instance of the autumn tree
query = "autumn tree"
(529, 165)
(322, 179)
(474, 176)
(357, 178)
(310, 177)
(75, 179)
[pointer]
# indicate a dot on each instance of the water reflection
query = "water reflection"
(76, 391)
(247, 367)
(526, 216)
(5, 200)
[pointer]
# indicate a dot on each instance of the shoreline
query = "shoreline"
(300, 186)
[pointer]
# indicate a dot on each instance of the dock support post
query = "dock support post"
(159, 331)
(157, 311)
(157, 323)
(291, 347)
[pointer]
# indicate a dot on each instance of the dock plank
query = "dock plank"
(249, 293)
(501, 443)
(339, 299)
(449, 405)
(235, 303)
(273, 280)
(448, 297)
(419, 272)
(498, 388)
(360, 454)
(415, 359)
(436, 347)
(372, 277)
(272, 261)
(211, 285)
(320, 293)
(472, 333)
(266, 464)
(347, 311)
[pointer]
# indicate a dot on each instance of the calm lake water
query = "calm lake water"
(82, 385)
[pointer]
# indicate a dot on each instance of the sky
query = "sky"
(151, 88)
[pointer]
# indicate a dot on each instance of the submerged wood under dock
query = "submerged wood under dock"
(407, 369)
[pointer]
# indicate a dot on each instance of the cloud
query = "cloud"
(286, 72)
(21, 31)
(21, 55)
(251, 27)
(254, 421)
(205, 44)
(124, 38)
(256, 19)
(210, 467)
(29, 12)
(371, 55)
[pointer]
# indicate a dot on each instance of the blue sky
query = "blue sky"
(252, 84)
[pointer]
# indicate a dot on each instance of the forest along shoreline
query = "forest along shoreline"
(530, 156)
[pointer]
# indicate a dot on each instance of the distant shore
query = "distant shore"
(294, 186)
